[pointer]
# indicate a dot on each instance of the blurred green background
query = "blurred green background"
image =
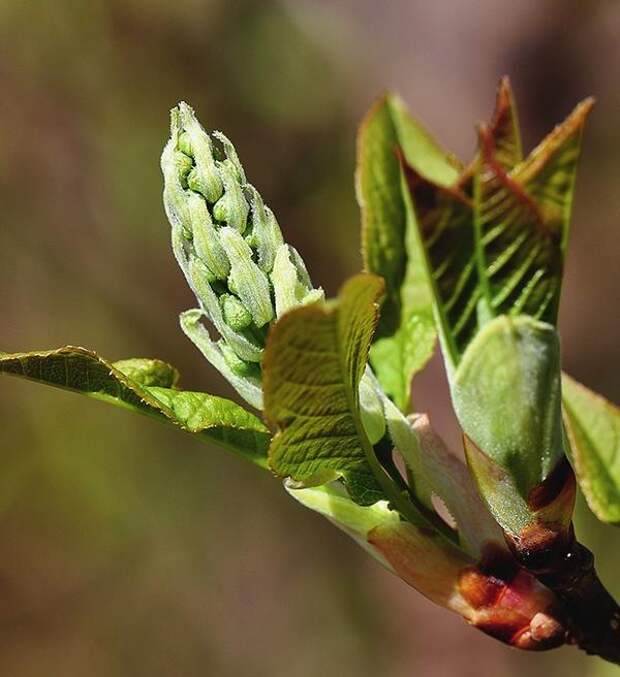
(127, 549)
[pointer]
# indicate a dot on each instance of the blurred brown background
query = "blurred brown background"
(127, 549)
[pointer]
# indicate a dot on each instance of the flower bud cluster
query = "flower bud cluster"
(231, 250)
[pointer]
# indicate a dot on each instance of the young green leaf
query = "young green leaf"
(502, 252)
(593, 429)
(441, 269)
(397, 358)
(143, 386)
(506, 394)
(385, 130)
(521, 219)
(443, 216)
(494, 264)
(147, 372)
(405, 336)
(314, 361)
(504, 127)
(440, 232)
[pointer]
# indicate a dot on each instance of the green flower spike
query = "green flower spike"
(230, 248)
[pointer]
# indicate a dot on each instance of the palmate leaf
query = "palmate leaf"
(494, 240)
(493, 245)
(593, 429)
(521, 219)
(444, 228)
(406, 335)
(314, 360)
(146, 387)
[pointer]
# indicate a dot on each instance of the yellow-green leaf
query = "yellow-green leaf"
(387, 243)
(148, 372)
(314, 360)
(397, 358)
(137, 385)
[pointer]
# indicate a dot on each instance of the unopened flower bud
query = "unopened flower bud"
(174, 167)
(288, 282)
(231, 156)
(251, 284)
(266, 235)
(204, 177)
(185, 145)
(205, 238)
(237, 365)
(236, 315)
(232, 207)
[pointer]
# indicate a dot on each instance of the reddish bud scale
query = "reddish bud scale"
(542, 545)
(518, 612)
(495, 595)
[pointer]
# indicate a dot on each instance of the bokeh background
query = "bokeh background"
(127, 549)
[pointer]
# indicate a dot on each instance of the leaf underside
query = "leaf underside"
(143, 386)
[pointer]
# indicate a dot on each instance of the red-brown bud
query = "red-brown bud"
(494, 595)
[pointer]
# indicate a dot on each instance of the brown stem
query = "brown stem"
(593, 616)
